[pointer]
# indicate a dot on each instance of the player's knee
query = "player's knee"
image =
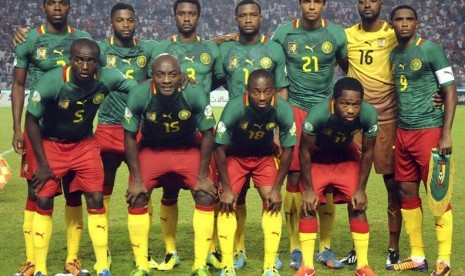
(44, 203)
(204, 199)
(73, 199)
(94, 200)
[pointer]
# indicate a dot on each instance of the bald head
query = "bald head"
(166, 74)
(86, 43)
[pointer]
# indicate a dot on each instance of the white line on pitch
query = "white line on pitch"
(7, 152)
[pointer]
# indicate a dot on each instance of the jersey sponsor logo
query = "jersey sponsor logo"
(266, 62)
(248, 61)
(141, 61)
(111, 61)
(270, 126)
(151, 116)
(127, 114)
(221, 128)
(415, 65)
(55, 51)
(184, 114)
(381, 42)
(35, 97)
(41, 53)
(292, 48)
(232, 62)
(208, 112)
(293, 130)
(244, 125)
(308, 126)
(205, 58)
(327, 47)
(63, 104)
(191, 59)
(98, 99)
(310, 48)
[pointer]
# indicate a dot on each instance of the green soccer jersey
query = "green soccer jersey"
(68, 110)
(331, 132)
(133, 63)
(200, 59)
(310, 60)
(250, 132)
(44, 51)
(239, 60)
(168, 122)
(419, 70)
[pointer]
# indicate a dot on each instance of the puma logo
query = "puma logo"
(135, 245)
(27, 232)
(101, 227)
(309, 48)
(55, 51)
(167, 115)
(439, 225)
(79, 228)
(223, 237)
(369, 43)
(191, 59)
(248, 61)
(275, 233)
(402, 66)
(164, 219)
(392, 213)
(40, 234)
(128, 61)
(258, 126)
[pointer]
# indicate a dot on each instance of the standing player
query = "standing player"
(328, 157)
(240, 58)
(420, 68)
(312, 46)
(169, 154)
(368, 46)
(129, 55)
(200, 60)
(245, 146)
(66, 101)
(45, 48)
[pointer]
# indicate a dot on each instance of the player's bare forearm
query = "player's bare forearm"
(132, 159)
(17, 96)
(284, 163)
(450, 104)
(283, 93)
(368, 146)
(307, 143)
(206, 150)
(221, 167)
(33, 131)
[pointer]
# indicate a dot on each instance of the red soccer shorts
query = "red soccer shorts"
(337, 169)
(413, 152)
(263, 171)
(111, 138)
(27, 159)
(178, 167)
(299, 118)
(83, 158)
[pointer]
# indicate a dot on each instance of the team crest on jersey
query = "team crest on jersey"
(151, 116)
(381, 42)
(63, 104)
(265, 62)
(292, 48)
(184, 114)
(141, 61)
(270, 126)
(232, 62)
(244, 125)
(308, 127)
(327, 47)
(41, 53)
(98, 99)
(127, 114)
(35, 97)
(111, 61)
(293, 130)
(205, 58)
(220, 129)
(208, 112)
(415, 65)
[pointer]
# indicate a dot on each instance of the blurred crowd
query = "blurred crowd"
(441, 22)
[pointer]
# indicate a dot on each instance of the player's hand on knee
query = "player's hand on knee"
(310, 202)
(205, 185)
(136, 189)
(227, 202)
(359, 201)
(273, 201)
(41, 176)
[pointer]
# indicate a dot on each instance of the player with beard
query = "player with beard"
(313, 46)
(46, 47)
(200, 60)
(252, 51)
